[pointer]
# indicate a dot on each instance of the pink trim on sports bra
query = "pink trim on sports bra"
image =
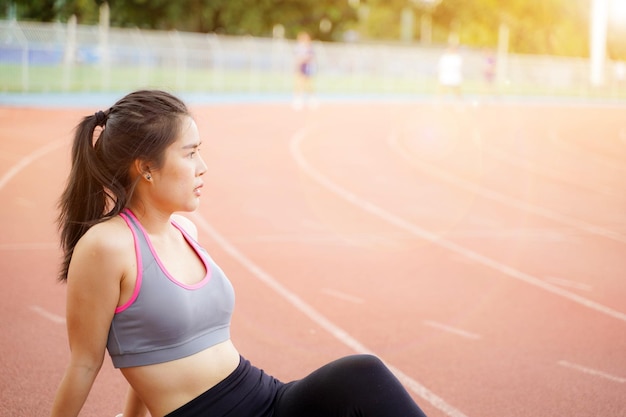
(139, 267)
(191, 243)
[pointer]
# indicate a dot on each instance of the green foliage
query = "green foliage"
(558, 27)
(38, 10)
(234, 17)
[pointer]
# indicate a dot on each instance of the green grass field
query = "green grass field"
(85, 78)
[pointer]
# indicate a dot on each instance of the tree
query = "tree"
(37, 10)
(540, 27)
(234, 17)
(557, 27)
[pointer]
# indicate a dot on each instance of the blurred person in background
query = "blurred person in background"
(305, 68)
(450, 71)
(489, 71)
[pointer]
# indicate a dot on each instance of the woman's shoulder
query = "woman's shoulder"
(105, 250)
(112, 235)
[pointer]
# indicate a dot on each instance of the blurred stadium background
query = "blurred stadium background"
(72, 57)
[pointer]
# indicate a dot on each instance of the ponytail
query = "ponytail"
(84, 198)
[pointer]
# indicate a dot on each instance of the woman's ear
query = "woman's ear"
(141, 167)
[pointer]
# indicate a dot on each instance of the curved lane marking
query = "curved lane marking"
(591, 371)
(450, 329)
(433, 171)
(336, 331)
(55, 318)
(438, 240)
(28, 159)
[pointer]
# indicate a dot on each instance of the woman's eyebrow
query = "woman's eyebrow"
(192, 145)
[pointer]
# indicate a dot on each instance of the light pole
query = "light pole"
(598, 27)
(426, 20)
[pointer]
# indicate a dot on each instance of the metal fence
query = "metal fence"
(51, 57)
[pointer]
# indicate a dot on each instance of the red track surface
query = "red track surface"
(479, 250)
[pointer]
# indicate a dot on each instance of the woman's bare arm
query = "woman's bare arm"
(93, 292)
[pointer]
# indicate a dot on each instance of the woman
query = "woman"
(305, 66)
(139, 285)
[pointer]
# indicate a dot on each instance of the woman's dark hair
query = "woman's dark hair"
(139, 126)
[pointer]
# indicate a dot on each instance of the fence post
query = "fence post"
(144, 57)
(180, 52)
(69, 54)
(502, 55)
(216, 62)
(14, 27)
(103, 39)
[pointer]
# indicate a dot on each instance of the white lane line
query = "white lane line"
(441, 174)
(542, 235)
(591, 371)
(28, 159)
(319, 319)
(544, 171)
(438, 240)
(342, 296)
(450, 329)
(323, 239)
(569, 283)
(579, 151)
(55, 318)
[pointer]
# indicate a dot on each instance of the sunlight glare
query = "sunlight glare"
(617, 13)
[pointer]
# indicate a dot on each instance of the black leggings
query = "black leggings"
(354, 386)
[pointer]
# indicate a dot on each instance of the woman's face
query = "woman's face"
(176, 186)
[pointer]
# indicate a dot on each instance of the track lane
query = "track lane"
(311, 241)
(348, 224)
(34, 342)
(364, 203)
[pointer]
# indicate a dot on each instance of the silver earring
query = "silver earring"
(148, 177)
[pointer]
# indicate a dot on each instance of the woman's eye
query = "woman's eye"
(193, 153)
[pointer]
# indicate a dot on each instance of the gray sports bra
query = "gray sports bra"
(165, 319)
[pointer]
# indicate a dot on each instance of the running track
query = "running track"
(479, 250)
